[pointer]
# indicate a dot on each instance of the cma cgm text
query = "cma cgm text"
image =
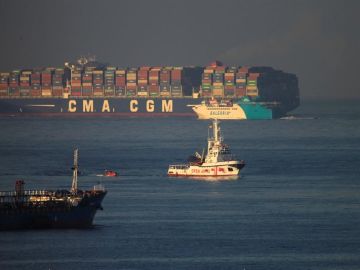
(88, 106)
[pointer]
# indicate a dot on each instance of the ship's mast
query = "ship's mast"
(216, 130)
(74, 185)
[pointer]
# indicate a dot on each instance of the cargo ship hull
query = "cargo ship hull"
(126, 107)
(97, 106)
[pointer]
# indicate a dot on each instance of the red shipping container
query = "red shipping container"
(176, 74)
(243, 70)
(57, 92)
(35, 92)
(240, 92)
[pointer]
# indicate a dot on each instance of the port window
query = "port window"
(230, 169)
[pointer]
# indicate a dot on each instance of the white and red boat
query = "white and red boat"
(218, 162)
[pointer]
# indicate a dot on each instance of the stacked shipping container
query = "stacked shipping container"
(25, 83)
(218, 81)
(35, 90)
(229, 81)
(58, 82)
(240, 82)
(154, 77)
(165, 79)
(87, 82)
(120, 82)
(251, 85)
(142, 81)
(46, 84)
(98, 83)
(109, 83)
(176, 85)
(206, 82)
(131, 87)
(4, 84)
(76, 82)
(14, 87)
(215, 80)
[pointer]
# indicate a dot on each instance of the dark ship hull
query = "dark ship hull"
(65, 211)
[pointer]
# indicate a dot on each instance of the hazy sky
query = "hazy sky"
(317, 40)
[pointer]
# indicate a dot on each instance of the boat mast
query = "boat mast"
(216, 130)
(74, 184)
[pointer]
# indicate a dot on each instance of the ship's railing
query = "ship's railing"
(27, 193)
(33, 196)
(179, 166)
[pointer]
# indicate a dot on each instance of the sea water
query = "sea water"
(296, 204)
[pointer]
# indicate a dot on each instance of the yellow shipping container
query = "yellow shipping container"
(142, 94)
(120, 71)
(87, 84)
(252, 92)
(218, 92)
(209, 71)
(98, 72)
(218, 84)
(46, 93)
(228, 74)
(240, 80)
(98, 94)
(143, 81)
(164, 94)
(131, 84)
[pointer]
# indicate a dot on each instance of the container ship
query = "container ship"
(89, 88)
(39, 209)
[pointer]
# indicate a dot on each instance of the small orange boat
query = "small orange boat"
(110, 173)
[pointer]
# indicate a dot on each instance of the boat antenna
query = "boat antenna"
(74, 184)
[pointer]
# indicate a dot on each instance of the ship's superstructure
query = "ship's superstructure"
(229, 110)
(218, 160)
(29, 209)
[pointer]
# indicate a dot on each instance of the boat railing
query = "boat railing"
(26, 193)
(179, 166)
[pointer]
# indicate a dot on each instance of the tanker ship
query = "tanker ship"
(38, 209)
(89, 88)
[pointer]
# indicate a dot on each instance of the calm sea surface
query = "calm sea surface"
(295, 206)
